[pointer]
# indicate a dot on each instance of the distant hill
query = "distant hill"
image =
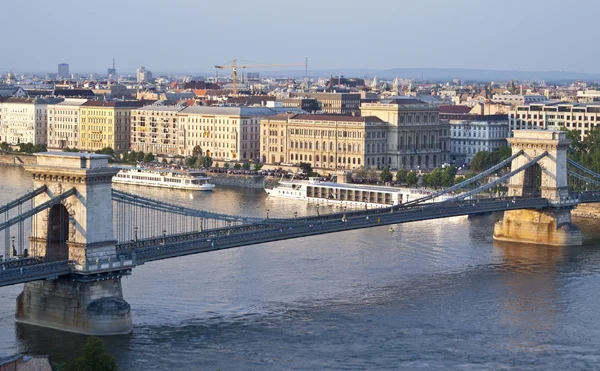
(444, 74)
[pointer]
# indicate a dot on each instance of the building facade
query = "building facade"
(25, 120)
(106, 124)
(470, 134)
(63, 70)
(518, 99)
(328, 142)
(63, 124)
(224, 133)
(143, 75)
(156, 129)
(416, 138)
(340, 103)
(573, 116)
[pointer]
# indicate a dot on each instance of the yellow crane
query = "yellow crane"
(235, 67)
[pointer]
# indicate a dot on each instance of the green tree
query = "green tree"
(197, 151)
(164, 161)
(401, 176)
(205, 162)
(426, 180)
(305, 167)
(26, 147)
(237, 166)
(149, 157)
(94, 358)
(411, 178)
(448, 175)
(106, 151)
(4, 146)
(191, 161)
(480, 161)
(386, 175)
(257, 166)
(226, 165)
(246, 166)
(139, 156)
(435, 178)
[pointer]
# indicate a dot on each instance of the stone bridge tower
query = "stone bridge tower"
(78, 229)
(548, 179)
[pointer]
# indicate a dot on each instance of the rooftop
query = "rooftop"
(161, 108)
(229, 111)
(337, 118)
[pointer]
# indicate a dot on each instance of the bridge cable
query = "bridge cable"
(466, 182)
(489, 185)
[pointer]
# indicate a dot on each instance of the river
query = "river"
(431, 295)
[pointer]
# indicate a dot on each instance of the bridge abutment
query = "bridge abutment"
(91, 308)
(542, 227)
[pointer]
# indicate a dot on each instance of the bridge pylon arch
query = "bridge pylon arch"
(79, 229)
(547, 179)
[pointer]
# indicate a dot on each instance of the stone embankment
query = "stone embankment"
(231, 180)
(591, 210)
(17, 160)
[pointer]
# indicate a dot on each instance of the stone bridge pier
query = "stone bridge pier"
(79, 229)
(547, 179)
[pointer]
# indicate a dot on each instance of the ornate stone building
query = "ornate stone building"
(326, 141)
(156, 129)
(63, 124)
(416, 139)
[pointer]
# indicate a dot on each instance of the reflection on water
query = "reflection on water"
(436, 294)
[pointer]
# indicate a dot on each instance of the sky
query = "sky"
(193, 35)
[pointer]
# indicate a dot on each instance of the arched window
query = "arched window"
(359, 161)
(317, 146)
(309, 157)
(310, 145)
(353, 161)
(301, 145)
(331, 159)
(331, 146)
(317, 158)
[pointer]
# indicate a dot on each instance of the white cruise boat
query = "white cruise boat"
(346, 194)
(165, 178)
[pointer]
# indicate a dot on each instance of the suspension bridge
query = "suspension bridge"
(72, 238)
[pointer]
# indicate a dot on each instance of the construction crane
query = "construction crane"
(235, 67)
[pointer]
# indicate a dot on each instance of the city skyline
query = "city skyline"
(520, 36)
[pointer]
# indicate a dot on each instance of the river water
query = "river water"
(431, 295)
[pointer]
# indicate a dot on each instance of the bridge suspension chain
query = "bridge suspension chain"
(503, 178)
(467, 182)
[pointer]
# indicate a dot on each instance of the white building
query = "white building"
(63, 124)
(571, 115)
(25, 120)
(470, 134)
(156, 129)
(143, 75)
(224, 133)
(517, 99)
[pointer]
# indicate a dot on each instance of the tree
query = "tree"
(164, 161)
(106, 151)
(191, 161)
(401, 176)
(246, 166)
(448, 175)
(257, 166)
(237, 166)
(149, 157)
(202, 162)
(94, 358)
(4, 146)
(226, 165)
(435, 178)
(197, 151)
(426, 180)
(386, 175)
(139, 156)
(305, 167)
(411, 178)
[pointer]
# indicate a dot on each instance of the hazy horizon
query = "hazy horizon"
(187, 36)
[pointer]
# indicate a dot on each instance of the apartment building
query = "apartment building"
(340, 103)
(224, 133)
(471, 133)
(573, 116)
(416, 138)
(156, 129)
(63, 124)
(328, 142)
(25, 120)
(106, 124)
